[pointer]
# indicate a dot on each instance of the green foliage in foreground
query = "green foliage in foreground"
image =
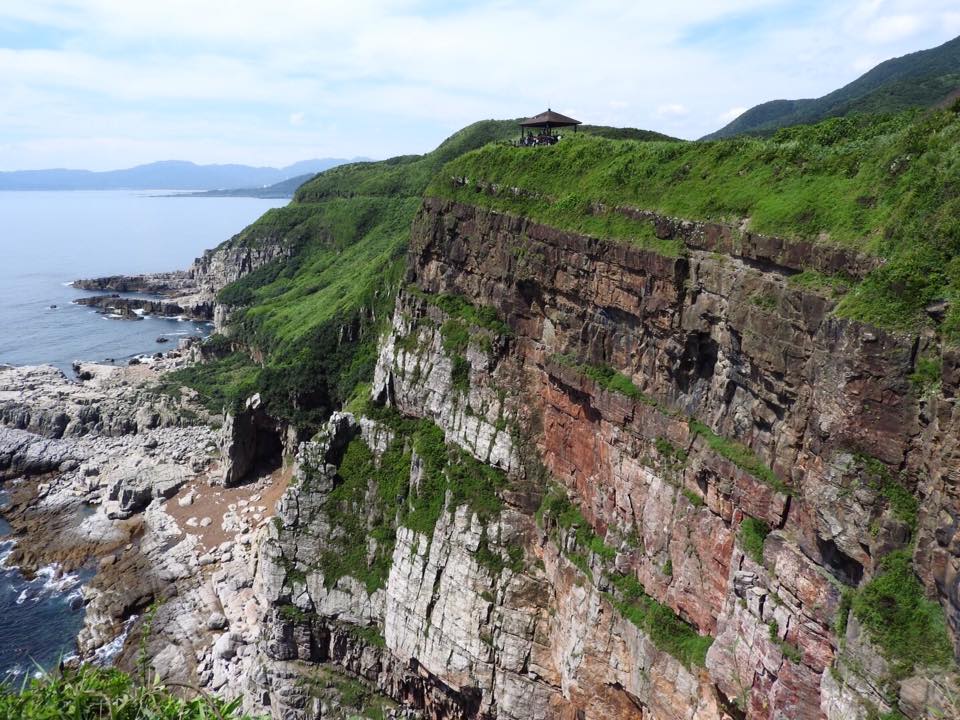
(91, 693)
(876, 183)
(909, 629)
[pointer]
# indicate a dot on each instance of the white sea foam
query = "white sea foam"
(105, 654)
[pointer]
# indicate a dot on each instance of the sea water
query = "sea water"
(48, 239)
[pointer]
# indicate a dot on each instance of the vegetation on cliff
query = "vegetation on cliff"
(374, 495)
(312, 317)
(909, 629)
(872, 183)
(582, 547)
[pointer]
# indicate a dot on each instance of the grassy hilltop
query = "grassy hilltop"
(884, 184)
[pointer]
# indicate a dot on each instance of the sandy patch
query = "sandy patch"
(216, 514)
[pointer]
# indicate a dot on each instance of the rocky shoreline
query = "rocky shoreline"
(107, 472)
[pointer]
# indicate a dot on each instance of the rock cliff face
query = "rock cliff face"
(701, 470)
(190, 292)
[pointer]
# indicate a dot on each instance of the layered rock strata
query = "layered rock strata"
(684, 407)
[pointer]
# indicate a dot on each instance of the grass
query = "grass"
(372, 499)
(874, 183)
(90, 693)
(791, 652)
(902, 503)
(221, 384)
(463, 312)
(926, 373)
(753, 533)
(835, 286)
(359, 514)
(740, 455)
(909, 629)
(313, 315)
(666, 629)
(670, 452)
(607, 378)
(695, 500)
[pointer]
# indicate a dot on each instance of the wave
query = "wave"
(105, 654)
(50, 581)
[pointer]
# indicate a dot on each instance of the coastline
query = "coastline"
(103, 474)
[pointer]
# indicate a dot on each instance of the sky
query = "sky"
(103, 84)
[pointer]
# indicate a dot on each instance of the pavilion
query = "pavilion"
(545, 122)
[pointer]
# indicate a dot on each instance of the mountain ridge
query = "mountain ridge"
(919, 79)
(164, 175)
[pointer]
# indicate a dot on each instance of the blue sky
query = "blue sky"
(111, 83)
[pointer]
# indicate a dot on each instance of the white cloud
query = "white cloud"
(892, 27)
(379, 77)
(672, 110)
(731, 115)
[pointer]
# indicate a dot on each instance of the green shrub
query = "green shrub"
(666, 629)
(695, 500)
(669, 451)
(926, 374)
(460, 373)
(902, 502)
(909, 629)
(753, 534)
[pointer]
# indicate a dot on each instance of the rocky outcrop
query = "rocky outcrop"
(248, 437)
(191, 293)
(136, 308)
(164, 283)
(738, 460)
(110, 401)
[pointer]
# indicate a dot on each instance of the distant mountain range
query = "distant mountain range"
(167, 175)
(283, 189)
(920, 79)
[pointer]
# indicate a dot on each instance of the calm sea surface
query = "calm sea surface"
(48, 239)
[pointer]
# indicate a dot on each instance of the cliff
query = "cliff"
(724, 464)
(602, 430)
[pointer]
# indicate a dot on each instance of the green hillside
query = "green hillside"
(920, 79)
(313, 319)
(875, 183)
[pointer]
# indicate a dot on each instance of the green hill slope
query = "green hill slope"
(920, 79)
(877, 183)
(313, 319)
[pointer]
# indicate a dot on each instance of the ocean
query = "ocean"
(48, 239)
